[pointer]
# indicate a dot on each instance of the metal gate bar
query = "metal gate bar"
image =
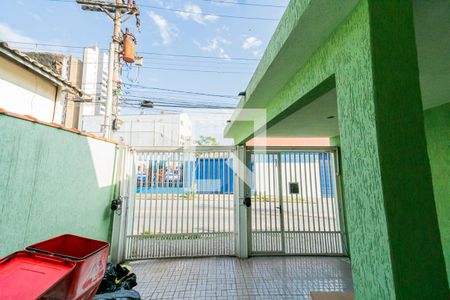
(305, 220)
(183, 204)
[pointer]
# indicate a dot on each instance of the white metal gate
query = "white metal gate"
(295, 203)
(183, 204)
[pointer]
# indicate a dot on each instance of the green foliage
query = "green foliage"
(207, 141)
(188, 195)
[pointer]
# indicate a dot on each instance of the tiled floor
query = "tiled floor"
(233, 278)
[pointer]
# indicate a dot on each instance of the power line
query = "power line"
(180, 97)
(140, 52)
(208, 67)
(211, 62)
(177, 105)
(156, 111)
(134, 88)
(177, 99)
(179, 91)
(245, 4)
(208, 14)
(166, 99)
(198, 56)
(151, 61)
(196, 70)
(194, 13)
(184, 102)
(182, 106)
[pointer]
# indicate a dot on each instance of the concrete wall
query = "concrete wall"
(25, 92)
(437, 128)
(52, 182)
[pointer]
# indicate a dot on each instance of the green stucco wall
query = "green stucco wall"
(408, 198)
(394, 239)
(437, 128)
(52, 182)
(347, 56)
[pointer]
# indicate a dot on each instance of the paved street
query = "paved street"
(172, 226)
(214, 213)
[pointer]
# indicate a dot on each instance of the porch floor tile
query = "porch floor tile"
(233, 278)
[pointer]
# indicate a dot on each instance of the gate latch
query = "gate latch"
(248, 201)
(116, 204)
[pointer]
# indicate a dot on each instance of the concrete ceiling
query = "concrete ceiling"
(313, 120)
(302, 31)
(432, 25)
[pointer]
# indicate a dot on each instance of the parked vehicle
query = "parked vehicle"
(171, 177)
(141, 180)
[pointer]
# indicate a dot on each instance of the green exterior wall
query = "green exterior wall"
(52, 182)
(347, 56)
(389, 204)
(405, 174)
(437, 128)
(335, 141)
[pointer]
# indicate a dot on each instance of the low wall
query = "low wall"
(52, 181)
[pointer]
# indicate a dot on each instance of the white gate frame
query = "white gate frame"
(244, 243)
(125, 177)
(242, 191)
(123, 229)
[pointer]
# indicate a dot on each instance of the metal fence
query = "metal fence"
(295, 204)
(183, 204)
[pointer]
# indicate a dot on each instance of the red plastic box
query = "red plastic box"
(90, 258)
(27, 275)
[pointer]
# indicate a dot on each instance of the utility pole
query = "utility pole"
(115, 10)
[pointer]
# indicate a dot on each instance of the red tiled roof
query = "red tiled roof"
(294, 142)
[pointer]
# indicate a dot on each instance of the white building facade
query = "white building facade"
(161, 130)
(94, 81)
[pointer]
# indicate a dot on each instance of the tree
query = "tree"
(206, 141)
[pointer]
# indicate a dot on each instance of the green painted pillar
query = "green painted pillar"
(394, 236)
(437, 129)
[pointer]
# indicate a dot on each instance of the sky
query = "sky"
(219, 53)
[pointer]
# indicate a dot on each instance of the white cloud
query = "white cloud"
(215, 46)
(252, 43)
(167, 31)
(9, 34)
(194, 12)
